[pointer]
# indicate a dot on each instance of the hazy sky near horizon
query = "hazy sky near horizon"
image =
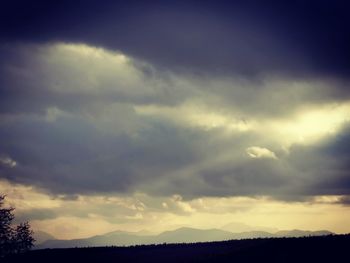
(132, 115)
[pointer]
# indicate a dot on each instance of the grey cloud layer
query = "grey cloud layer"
(79, 78)
(325, 166)
(69, 119)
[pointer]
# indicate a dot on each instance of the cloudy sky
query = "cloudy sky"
(152, 115)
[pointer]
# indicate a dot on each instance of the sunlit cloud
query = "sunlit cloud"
(7, 162)
(259, 152)
(309, 125)
(197, 115)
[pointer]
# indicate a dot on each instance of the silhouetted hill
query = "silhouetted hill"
(190, 235)
(121, 238)
(332, 248)
(252, 234)
(301, 233)
(181, 235)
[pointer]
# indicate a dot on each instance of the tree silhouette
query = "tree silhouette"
(23, 237)
(13, 239)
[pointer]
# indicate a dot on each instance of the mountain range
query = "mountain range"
(180, 235)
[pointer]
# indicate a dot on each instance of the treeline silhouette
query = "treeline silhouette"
(332, 248)
(13, 239)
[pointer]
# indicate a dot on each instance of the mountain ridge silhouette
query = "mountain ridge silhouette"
(180, 235)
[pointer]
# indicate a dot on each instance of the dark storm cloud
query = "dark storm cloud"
(237, 178)
(241, 37)
(324, 168)
(308, 170)
(72, 156)
(34, 77)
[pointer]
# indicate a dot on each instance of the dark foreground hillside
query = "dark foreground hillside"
(334, 248)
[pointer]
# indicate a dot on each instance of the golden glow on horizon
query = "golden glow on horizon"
(139, 212)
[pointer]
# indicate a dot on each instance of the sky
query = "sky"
(151, 115)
